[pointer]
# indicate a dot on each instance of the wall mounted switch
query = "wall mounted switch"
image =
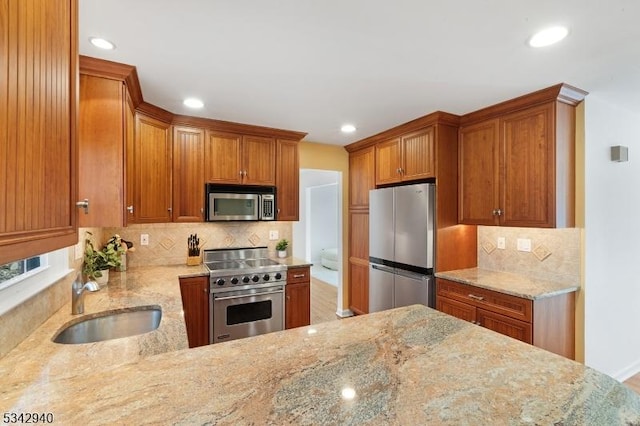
(502, 243)
(144, 239)
(524, 244)
(273, 235)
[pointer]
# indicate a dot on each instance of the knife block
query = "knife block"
(193, 260)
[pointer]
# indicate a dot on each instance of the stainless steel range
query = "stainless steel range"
(247, 293)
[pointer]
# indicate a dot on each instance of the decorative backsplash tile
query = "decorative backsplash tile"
(555, 253)
(168, 241)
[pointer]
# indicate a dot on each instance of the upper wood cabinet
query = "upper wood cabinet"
(406, 158)
(152, 171)
(287, 180)
(101, 151)
(361, 177)
(238, 159)
(517, 168)
(188, 174)
(38, 121)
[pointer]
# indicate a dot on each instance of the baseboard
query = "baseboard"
(628, 372)
(344, 313)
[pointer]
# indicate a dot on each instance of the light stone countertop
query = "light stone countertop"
(292, 262)
(410, 365)
(508, 283)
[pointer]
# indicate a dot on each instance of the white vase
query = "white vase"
(282, 253)
(104, 279)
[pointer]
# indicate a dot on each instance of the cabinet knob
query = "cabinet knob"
(130, 209)
(169, 209)
(84, 204)
(497, 212)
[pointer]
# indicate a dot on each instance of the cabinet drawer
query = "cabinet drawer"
(505, 304)
(298, 275)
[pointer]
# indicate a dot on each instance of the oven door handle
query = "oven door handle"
(239, 296)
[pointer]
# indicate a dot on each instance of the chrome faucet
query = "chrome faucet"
(77, 294)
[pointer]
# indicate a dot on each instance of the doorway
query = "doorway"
(318, 239)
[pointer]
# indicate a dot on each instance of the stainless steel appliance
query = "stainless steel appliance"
(240, 202)
(401, 246)
(247, 293)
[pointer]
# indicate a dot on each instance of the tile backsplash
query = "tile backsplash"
(554, 255)
(168, 241)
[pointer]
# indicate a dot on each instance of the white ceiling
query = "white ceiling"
(312, 65)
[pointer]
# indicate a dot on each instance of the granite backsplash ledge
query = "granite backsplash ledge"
(554, 255)
(168, 241)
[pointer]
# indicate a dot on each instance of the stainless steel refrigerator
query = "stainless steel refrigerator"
(401, 246)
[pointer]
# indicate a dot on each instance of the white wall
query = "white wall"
(323, 215)
(612, 240)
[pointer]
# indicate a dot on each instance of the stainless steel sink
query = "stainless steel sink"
(111, 325)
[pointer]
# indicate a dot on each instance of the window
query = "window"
(15, 272)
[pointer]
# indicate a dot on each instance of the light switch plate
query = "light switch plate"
(144, 239)
(273, 235)
(524, 244)
(502, 243)
(78, 252)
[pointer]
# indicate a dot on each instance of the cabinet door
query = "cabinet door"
(388, 162)
(418, 156)
(130, 163)
(456, 309)
(297, 305)
(358, 286)
(287, 180)
(152, 171)
(478, 188)
(362, 177)
(101, 130)
(188, 174)
(504, 325)
(529, 168)
(195, 304)
(258, 160)
(37, 120)
(222, 158)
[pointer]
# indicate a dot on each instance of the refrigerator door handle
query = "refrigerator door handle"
(412, 275)
(383, 268)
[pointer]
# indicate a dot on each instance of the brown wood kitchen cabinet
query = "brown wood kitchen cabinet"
(152, 170)
(517, 161)
(240, 159)
(546, 322)
(195, 304)
(287, 180)
(188, 174)
(298, 297)
(38, 120)
(405, 158)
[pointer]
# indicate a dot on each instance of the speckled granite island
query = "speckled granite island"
(410, 365)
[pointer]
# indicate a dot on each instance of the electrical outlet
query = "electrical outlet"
(78, 252)
(524, 244)
(144, 239)
(273, 235)
(502, 243)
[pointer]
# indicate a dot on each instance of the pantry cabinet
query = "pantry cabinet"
(287, 180)
(298, 297)
(238, 159)
(517, 161)
(195, 305)
(38, 159)
(188, 174)
(406, 158)
(546, 322)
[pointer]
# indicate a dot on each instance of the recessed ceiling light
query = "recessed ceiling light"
(548, 36)
(348, 128)
(102, 43)
(193, 103)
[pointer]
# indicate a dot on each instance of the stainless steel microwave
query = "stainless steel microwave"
(239, 202)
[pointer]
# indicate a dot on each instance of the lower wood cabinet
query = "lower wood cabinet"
(195, 304)
(548, 323)
(298, 297)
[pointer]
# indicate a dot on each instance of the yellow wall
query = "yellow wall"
(580, 213)
(331, 157)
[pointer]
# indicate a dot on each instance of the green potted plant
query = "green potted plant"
(281, 247)
(98, 262)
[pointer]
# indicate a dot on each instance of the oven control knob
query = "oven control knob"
(278, 275)
(220, 281)
(245, 279)
(255, 278)
(234, 281)
(265, 277)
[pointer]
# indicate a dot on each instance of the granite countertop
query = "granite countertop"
(508, 283)
(410, 365)
(292, 262)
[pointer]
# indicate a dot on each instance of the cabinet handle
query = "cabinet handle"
(130, 209)
(84, 204)
(474, 297)
(298, 275)
(169, 209)
(497, 212)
